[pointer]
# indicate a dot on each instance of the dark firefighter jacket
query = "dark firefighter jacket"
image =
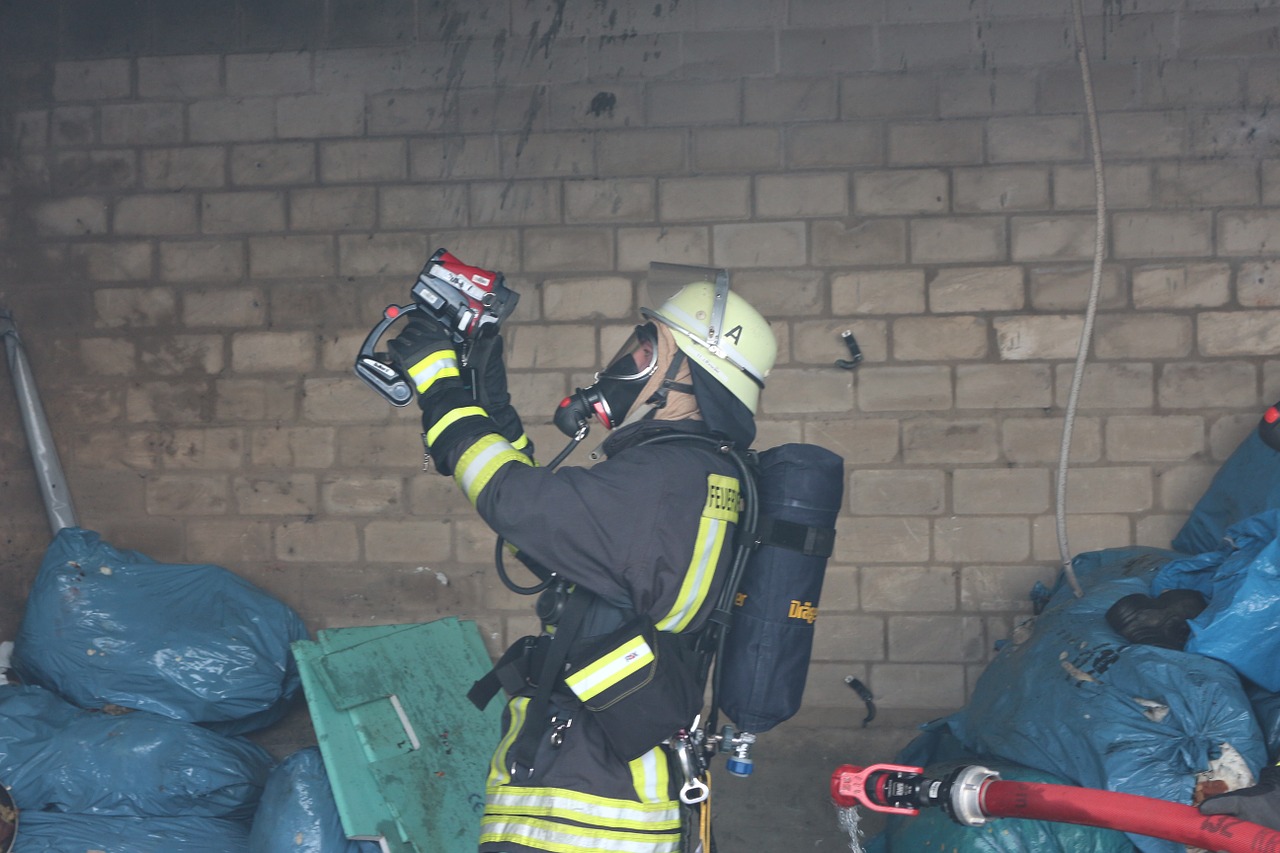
(648, 530)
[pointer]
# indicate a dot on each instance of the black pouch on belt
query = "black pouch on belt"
(639, 684)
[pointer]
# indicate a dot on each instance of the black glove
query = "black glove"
(1258, 804)
(451, 420)
(423, 351)
(485, 358)
(491, 392)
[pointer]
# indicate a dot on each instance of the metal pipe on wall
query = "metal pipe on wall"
(44, 454)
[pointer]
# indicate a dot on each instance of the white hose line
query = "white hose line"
(1091, 310)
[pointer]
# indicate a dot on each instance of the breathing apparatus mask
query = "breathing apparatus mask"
(613, 395)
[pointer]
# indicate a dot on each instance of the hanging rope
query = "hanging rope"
(1091, 310)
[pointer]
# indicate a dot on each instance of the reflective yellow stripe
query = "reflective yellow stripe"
(583, 808)
(452, 417)
(435, 366)
(610, 668)
(565, 838)
(697, 578)
(498, 772)
(481, 461)
(719, 510)
(650, 775)
(521, 443)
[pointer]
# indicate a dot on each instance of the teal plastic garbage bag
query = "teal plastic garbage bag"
(298, 814)
(50, 832)
(1068, 696)
(58, 758)
(1241, 580)
(191, 642)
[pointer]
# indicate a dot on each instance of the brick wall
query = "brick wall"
(204, 209)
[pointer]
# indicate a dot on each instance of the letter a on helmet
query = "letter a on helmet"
(714, 326)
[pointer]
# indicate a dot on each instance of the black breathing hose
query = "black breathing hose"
(498, 562)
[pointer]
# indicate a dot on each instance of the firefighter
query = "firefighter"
(635, 550)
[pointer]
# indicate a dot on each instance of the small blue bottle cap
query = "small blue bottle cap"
(739, 766)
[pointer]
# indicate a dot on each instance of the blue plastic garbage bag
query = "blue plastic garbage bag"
(1241, 580)
(50, 832)
(1266, 708)
(1093, 568)
(1068, 696)
(191, 642)
(1247, 483)
(297, 813)
(56, 757)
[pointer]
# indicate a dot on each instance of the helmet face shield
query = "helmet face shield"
(636, 359)
(666, 280)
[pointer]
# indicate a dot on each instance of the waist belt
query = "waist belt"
(536, 662)
(513, 672)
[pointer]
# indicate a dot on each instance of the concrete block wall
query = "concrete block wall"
(205, 208)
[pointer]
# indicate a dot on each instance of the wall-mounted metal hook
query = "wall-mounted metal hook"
(855, 354)
(864, 693)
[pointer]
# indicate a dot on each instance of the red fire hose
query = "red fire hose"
(972, 794)
(1127, 813)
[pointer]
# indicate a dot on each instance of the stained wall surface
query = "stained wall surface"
(205, 207)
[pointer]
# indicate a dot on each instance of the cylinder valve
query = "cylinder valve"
(740, 762)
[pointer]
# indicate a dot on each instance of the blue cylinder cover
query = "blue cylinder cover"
(766, 656)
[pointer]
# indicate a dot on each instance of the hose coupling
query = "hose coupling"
(965, 803)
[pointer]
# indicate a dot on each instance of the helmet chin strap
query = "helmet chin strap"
(658, 399)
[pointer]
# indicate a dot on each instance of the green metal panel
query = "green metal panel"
(405, 751)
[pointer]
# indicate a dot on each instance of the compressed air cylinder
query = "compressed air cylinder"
(767, 651)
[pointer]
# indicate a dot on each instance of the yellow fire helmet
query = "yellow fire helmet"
(715, 327)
